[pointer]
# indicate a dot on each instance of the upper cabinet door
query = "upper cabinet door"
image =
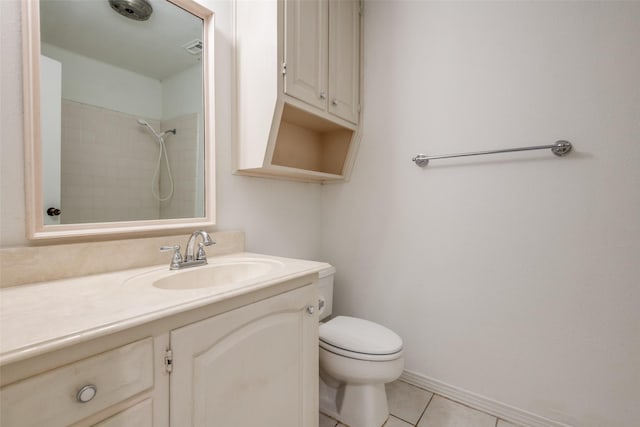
(305, 52)
(344, 59)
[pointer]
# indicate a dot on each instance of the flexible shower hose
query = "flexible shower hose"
(156, 178)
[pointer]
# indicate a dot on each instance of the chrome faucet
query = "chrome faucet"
(206, 241)
(189, 260)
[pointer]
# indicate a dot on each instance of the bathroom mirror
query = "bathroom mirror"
(118, 106)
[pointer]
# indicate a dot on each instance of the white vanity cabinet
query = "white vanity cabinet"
(253, 366)
(247, 360)
(298, 88)
(322, 55)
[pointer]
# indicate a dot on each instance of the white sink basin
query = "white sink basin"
(211, 275)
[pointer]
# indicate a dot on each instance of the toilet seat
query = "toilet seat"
(360, 356)
(360, 339)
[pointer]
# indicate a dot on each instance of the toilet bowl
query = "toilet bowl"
(357, 359)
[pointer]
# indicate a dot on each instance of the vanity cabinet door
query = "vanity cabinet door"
(253, 366)
(344, 59)
(306, 51)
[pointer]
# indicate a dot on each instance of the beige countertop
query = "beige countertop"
(46, 316)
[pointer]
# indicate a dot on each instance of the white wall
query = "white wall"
(278, 217)
(182, 93)
(12, 207)
(516, 276)
(93, 82)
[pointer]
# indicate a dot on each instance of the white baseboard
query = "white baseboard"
(498, 409)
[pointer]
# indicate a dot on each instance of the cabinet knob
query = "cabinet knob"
(86, 393)
(310, 309)
(334, 102)
(323, 95)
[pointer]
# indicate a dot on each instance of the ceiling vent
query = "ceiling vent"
(194, 47)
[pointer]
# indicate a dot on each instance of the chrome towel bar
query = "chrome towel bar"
(559, 148)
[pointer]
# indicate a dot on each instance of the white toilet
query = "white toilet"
(357, 358)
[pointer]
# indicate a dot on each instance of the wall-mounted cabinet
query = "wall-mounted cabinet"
(298, 88)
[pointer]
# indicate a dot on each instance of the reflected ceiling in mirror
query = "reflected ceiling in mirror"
(121, 133)
(151, 48)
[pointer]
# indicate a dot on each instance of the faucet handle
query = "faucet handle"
(201, 255)
(176, 259)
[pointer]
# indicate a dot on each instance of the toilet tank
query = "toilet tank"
(325, 290)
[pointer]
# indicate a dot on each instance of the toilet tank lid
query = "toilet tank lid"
(327, 272)
(360, 336)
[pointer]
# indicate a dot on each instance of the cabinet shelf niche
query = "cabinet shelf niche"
(309, 142)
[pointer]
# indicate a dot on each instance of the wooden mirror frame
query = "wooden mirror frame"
(36, 229)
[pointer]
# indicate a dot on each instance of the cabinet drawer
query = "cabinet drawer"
(139, 415)
(50, 399)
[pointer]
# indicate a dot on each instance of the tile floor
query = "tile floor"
(412, 406)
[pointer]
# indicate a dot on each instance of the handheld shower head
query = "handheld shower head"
(145, 123)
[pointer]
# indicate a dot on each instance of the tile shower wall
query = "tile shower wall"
(108, 163)
(182, 149)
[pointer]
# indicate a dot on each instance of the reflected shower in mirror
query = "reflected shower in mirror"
(122, 110)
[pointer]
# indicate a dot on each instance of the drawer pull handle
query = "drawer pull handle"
(86, 393)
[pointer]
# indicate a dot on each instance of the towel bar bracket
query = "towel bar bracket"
(561, 148)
